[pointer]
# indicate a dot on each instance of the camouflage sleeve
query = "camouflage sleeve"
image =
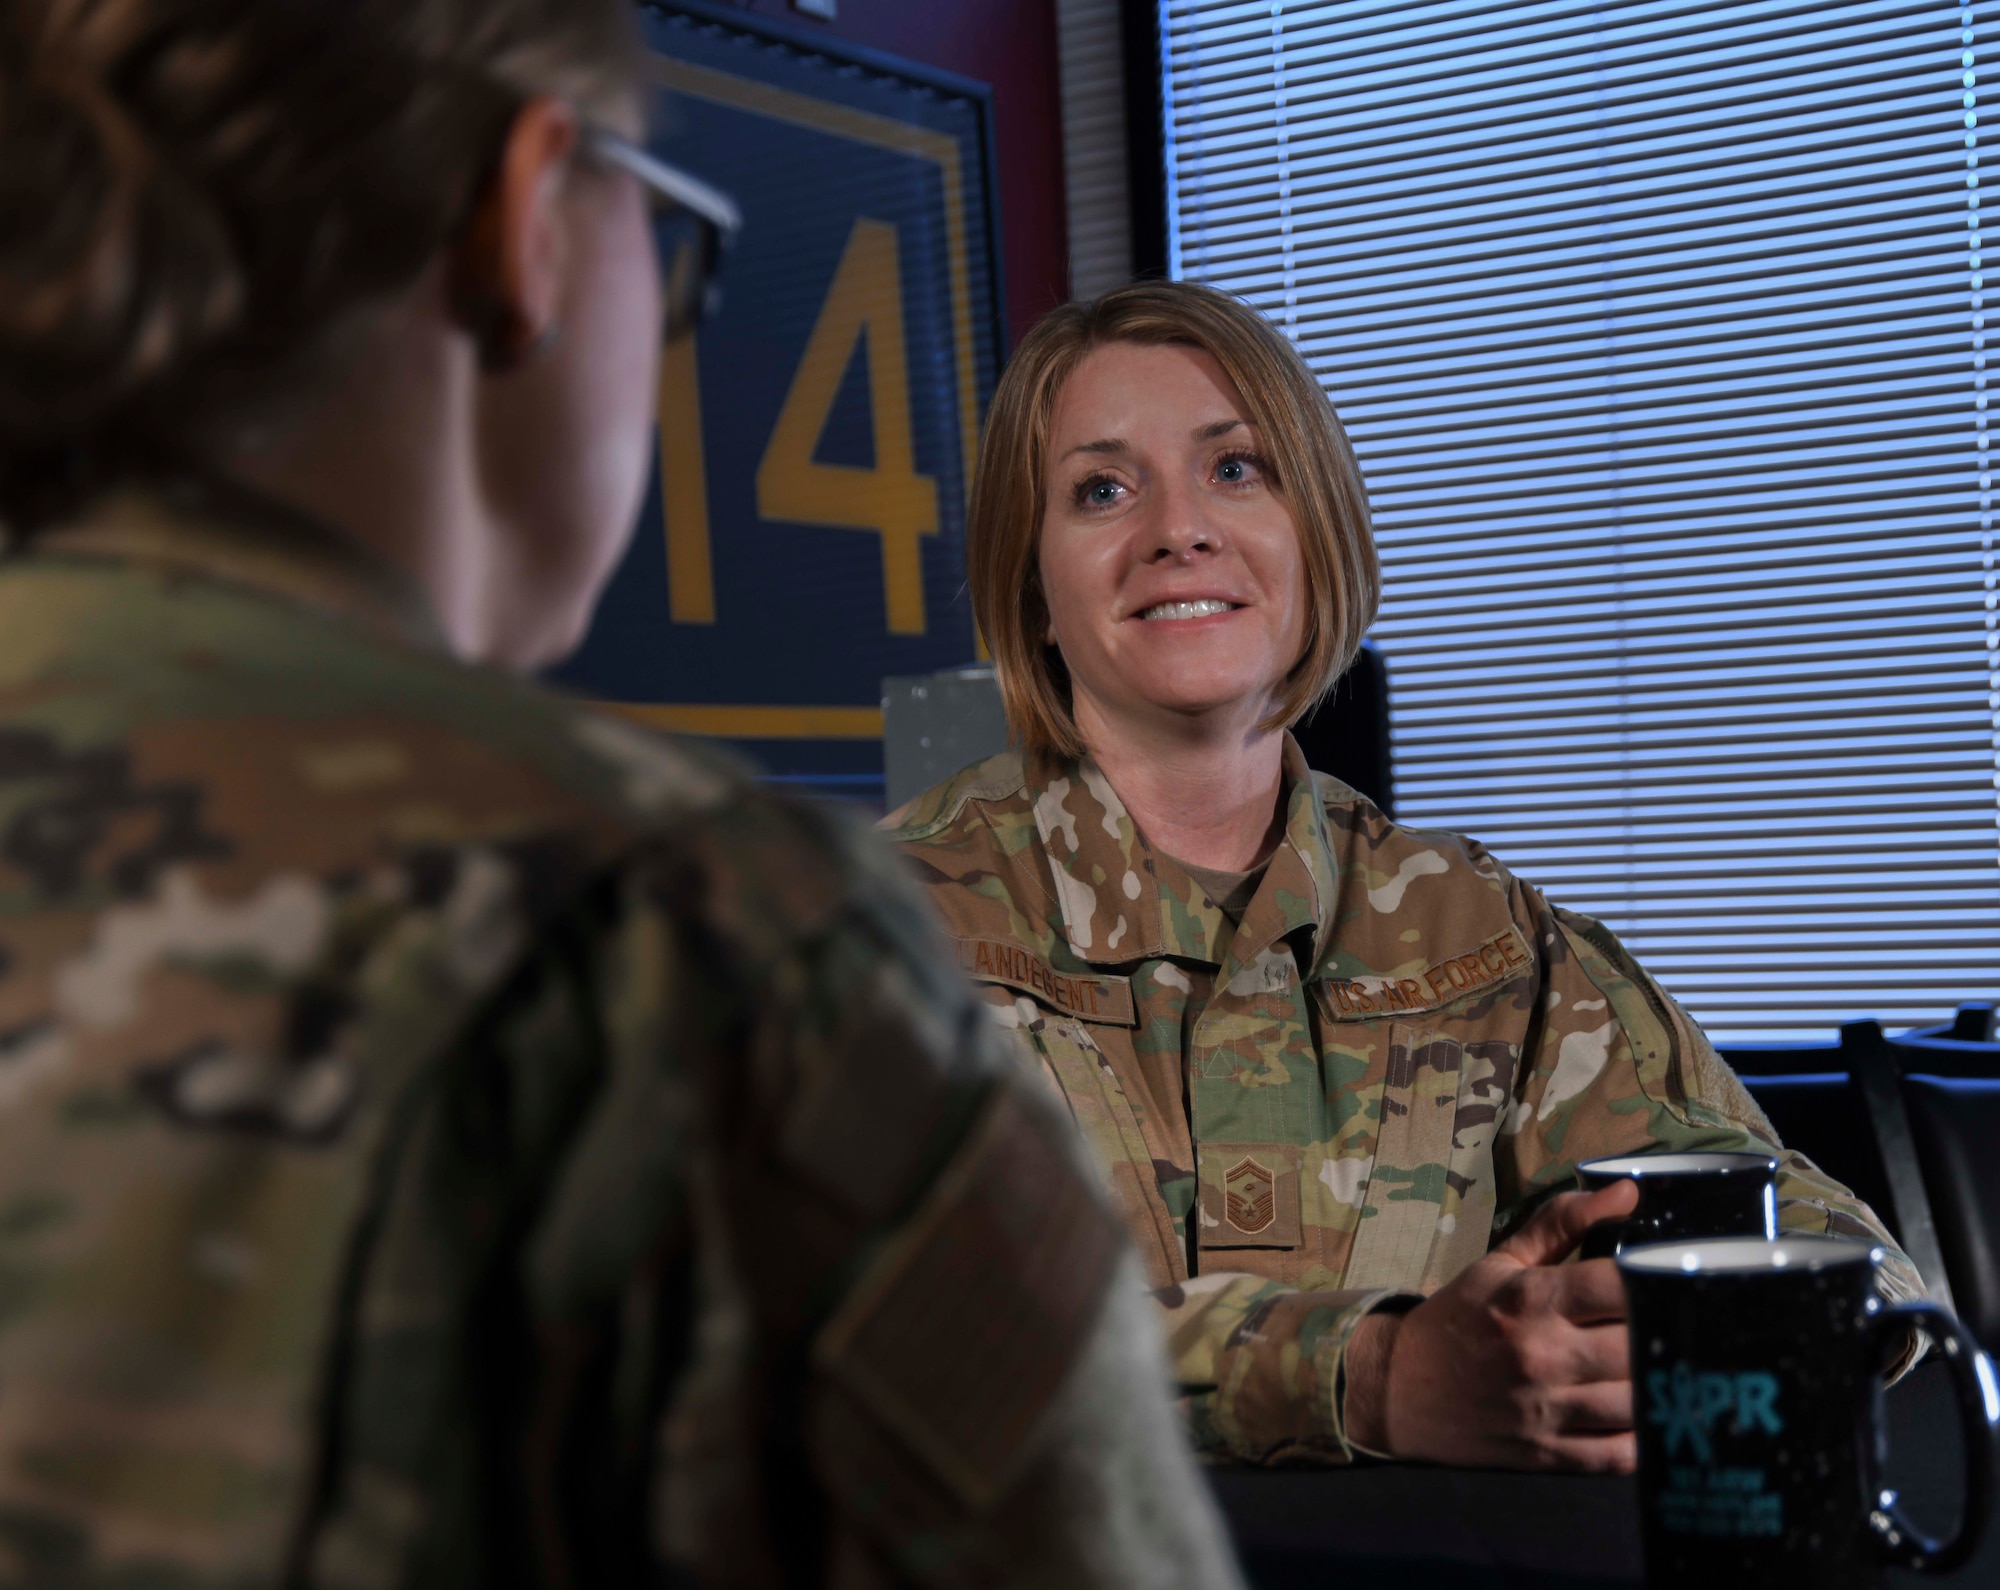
(897, 1236)
(1260, 1365)
(1617, 1067)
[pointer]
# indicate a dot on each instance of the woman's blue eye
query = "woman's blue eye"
(1242, 469)
(1103, 494)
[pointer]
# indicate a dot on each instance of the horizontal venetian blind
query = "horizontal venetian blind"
(1090, 57)
(1658, 329)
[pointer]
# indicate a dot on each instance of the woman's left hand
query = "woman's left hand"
(1519, 1362)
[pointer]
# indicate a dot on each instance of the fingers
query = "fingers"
(1589, 1454)
(1602, 1354)
(1559, 1225)
(1589, 1293)
(1601, 1408)
(1553, 1361)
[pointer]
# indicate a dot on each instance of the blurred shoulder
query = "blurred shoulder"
(297, 707)
(317, 829)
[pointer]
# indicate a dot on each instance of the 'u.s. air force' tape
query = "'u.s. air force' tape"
(1500, 959)
(1087, 997)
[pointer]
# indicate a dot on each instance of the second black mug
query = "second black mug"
(1683, 1196)
(1757, 1399)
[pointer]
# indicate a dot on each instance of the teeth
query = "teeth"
(1201, 609)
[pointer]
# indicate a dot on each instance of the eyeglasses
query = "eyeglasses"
(694, 223)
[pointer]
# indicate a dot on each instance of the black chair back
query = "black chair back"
(1857, 1107)
(1956, 1124)
(1825, 1117)
(1347, 735)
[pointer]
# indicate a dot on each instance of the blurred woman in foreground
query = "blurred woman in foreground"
(446, 1138)
(1333, 1068)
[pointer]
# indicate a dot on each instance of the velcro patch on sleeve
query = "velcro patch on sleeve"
(963, 1329)
(1500, 959)
(1086, 996)
(1249, 1196)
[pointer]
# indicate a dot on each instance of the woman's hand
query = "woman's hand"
(1518, 1363)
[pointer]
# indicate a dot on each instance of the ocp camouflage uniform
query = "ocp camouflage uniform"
(1344, 1101)
(450, 1138)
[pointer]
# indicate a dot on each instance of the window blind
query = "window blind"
(1658, 329)
(1089, 53)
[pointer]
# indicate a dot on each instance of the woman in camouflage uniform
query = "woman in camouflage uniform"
(447, 1138)
(1332, 1067)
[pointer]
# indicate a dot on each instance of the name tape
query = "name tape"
(1499, 960)
(1088, 998)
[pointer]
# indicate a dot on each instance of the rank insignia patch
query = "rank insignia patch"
(1249, 1195)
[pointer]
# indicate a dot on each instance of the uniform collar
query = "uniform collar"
(242, 537)
(1122, 900)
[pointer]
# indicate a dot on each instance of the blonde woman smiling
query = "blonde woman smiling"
(1336, 1071)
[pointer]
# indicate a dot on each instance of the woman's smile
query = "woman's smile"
(1186, 608)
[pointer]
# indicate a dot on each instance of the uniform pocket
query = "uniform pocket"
(1249, 1195)
(1413, 1152)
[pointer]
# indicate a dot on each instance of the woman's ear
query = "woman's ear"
(509, 265)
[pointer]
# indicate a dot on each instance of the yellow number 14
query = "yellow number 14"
(891, 499)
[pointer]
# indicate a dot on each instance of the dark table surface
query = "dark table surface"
(1402, 1527)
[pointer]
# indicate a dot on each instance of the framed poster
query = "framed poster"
(804, 534)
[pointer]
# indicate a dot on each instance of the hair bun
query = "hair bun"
(113, 271)
(194, 194)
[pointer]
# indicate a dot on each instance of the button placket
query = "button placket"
(1413, 1154)
(1248, 1122)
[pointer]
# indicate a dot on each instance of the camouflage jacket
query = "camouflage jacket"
(448, 1137)
(1346, 1100)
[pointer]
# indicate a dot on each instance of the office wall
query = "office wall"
(1010, 44)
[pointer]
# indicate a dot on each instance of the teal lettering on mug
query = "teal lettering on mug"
(1736, 1479)
(1687, 1404)
(1720, 1503)
(1702, 1497)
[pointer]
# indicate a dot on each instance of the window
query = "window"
(1659, 331)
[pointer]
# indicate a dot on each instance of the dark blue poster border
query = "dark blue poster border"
(803, 537)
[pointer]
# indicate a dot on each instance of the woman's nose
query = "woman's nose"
(1180, 529)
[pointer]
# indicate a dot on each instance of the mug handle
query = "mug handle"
(1901, 1545)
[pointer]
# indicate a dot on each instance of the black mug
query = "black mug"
(1757, 1397)
(1683, 1196)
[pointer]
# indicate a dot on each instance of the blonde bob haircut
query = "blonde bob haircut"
(1312, 469)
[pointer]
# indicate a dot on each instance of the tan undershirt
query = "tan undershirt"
(1230, 892)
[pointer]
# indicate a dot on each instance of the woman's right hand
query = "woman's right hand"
(1520, 1362)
